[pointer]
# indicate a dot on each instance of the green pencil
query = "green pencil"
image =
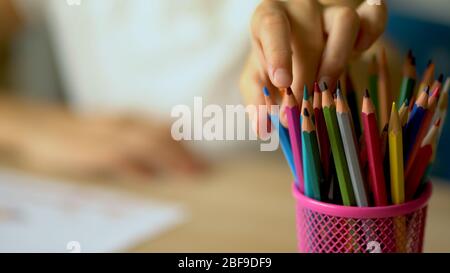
(329, 111)
(409, 80)
(311, 159)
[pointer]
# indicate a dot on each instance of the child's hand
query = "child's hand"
(297, 42)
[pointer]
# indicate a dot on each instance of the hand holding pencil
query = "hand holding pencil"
(290, 48)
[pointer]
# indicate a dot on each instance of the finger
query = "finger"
(308, 43)
(271, 32)
(373, 18)
(342, 25)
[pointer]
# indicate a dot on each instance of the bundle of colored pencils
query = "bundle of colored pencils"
(377, 155)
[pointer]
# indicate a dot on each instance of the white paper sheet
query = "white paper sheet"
(44, 216)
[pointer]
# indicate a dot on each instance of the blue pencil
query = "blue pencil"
(415, 122)
(283, 134)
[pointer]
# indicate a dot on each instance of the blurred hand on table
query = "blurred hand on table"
(52, 139)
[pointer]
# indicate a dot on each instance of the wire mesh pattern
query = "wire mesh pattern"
(321, 233)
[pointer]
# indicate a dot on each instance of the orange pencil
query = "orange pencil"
(384, 90)
(428, 76)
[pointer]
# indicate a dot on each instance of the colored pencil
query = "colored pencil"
(306, 102)
(409, 79)
(372, 138)
(446, 85)
(396, 158)
(293, 117)
(403, 113)
(423, 129)
(351, 151)
(428, 76)
(384, 90)
(441, 112)
(415, 121)
(384, 141)
(324, 142)
(438, 82)
(329, 111)
(373, 82)
(397, 181)
(420, 164)
(283, 132)
(353, 104)
(311, 159)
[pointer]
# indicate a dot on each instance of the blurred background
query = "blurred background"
(86, 93)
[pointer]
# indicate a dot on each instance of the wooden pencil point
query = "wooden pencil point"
(324, 86)
(366, 93)
(305, 92)
(441, 78)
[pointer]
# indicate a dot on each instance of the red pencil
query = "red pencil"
(421, 162)
(293, 118)
(372, 137)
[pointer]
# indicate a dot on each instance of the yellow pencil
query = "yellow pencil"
(397, 176)
(396, 157)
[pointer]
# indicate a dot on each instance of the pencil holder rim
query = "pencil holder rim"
(363, 212)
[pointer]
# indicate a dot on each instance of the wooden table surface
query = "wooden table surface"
(245, 205)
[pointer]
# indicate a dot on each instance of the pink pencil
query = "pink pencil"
(293, 117)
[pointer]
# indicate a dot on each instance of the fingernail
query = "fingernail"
(282, 78)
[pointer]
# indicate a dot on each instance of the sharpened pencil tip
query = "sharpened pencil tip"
(316, 87)
(394, 107)
(427, 90)
(430, 62)
(339, 93)
(305, 92)
(366, 93)
(441, 78)
(266, 91)
(338, 85)
(324, 86)
(438, 122)
(386, 127)
(406, 103)
(305, 112)
(289, 91)
(410, 54)
(413, 61)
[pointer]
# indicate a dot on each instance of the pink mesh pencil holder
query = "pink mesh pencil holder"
(329, 228)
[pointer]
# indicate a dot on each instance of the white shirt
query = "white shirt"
(148, 55)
